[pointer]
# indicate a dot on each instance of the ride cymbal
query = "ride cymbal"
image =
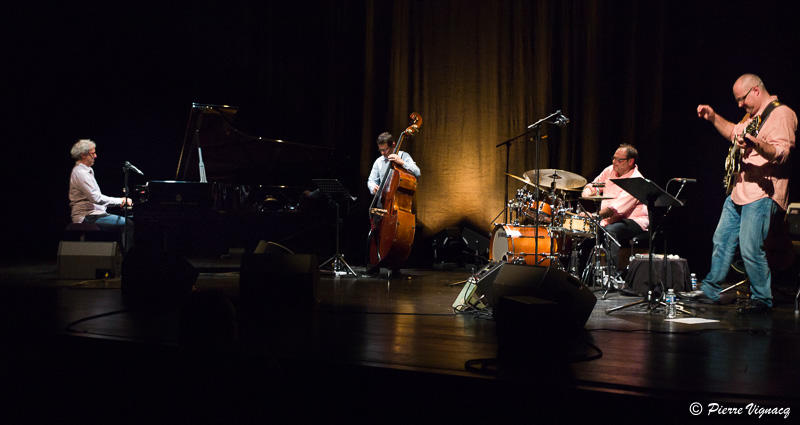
(546, 177)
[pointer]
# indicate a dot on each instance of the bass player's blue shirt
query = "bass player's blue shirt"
(381, 164)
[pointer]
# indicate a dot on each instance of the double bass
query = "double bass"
(392, 223)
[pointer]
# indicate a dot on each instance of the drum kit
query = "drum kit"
(546, 225)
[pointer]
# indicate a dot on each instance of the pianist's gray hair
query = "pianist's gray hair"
(81, 148)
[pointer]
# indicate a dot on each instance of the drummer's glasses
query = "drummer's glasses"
(615, 159)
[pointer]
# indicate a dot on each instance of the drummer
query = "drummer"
(623, 216)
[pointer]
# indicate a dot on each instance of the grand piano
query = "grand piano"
(232, 189)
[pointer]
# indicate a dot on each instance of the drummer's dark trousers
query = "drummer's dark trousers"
(623, 231)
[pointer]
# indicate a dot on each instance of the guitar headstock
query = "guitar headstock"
(753, 127)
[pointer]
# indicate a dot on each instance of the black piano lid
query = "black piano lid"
(178, 193)
(233, 156)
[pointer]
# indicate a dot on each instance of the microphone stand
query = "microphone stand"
(660, 229)
(536, 194)
(126, 192)
(508, 143)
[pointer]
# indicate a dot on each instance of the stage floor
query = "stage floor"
(403, 332)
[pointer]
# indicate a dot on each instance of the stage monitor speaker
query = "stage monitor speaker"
(277, 280)
(153, 278)
(575, 301)
(276, 299)
(532, 335)
(87, 260)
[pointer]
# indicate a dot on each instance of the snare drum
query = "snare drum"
(577, 225)
(518, 244)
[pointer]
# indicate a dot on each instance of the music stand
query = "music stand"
(652, 195)
(335, 192)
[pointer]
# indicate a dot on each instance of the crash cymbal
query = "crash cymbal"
(521, 179)
(563, 179)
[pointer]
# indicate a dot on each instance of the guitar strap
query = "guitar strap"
(764, 115)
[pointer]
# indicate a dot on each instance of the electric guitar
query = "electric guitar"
(733, 162)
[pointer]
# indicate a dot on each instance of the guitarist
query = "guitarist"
(760, 192)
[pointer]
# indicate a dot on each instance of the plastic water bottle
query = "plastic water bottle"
(672, 308)
(694, 281)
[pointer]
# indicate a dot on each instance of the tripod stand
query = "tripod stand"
(599, 273)
(335, 192)
(653, 196)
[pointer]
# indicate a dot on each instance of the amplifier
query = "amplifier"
(793, 217)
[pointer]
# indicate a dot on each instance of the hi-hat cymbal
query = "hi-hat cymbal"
(563, 179)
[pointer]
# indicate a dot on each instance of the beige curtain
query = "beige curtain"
(479, 72)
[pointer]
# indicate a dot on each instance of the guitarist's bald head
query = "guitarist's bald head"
(750, 80)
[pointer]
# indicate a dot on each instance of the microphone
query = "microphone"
(131, 167)
(561, 120)
(685, 180)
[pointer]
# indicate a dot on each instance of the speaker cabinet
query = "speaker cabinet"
(793, 218)
(278, 281)
(460, 246)
(575, 301)
(152, 278)
(276, 300)
(87, 260)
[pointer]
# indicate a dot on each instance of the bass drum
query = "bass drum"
(517, 244)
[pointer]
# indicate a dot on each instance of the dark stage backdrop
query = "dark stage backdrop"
(338, 73)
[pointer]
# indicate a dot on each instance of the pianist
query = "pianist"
(87, 203)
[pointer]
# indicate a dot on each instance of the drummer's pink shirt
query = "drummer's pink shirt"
(623, 203)
(759, 177)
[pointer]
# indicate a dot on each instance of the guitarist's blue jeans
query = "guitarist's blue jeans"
(745, 226)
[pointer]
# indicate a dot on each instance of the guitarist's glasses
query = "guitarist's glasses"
(741, 99)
